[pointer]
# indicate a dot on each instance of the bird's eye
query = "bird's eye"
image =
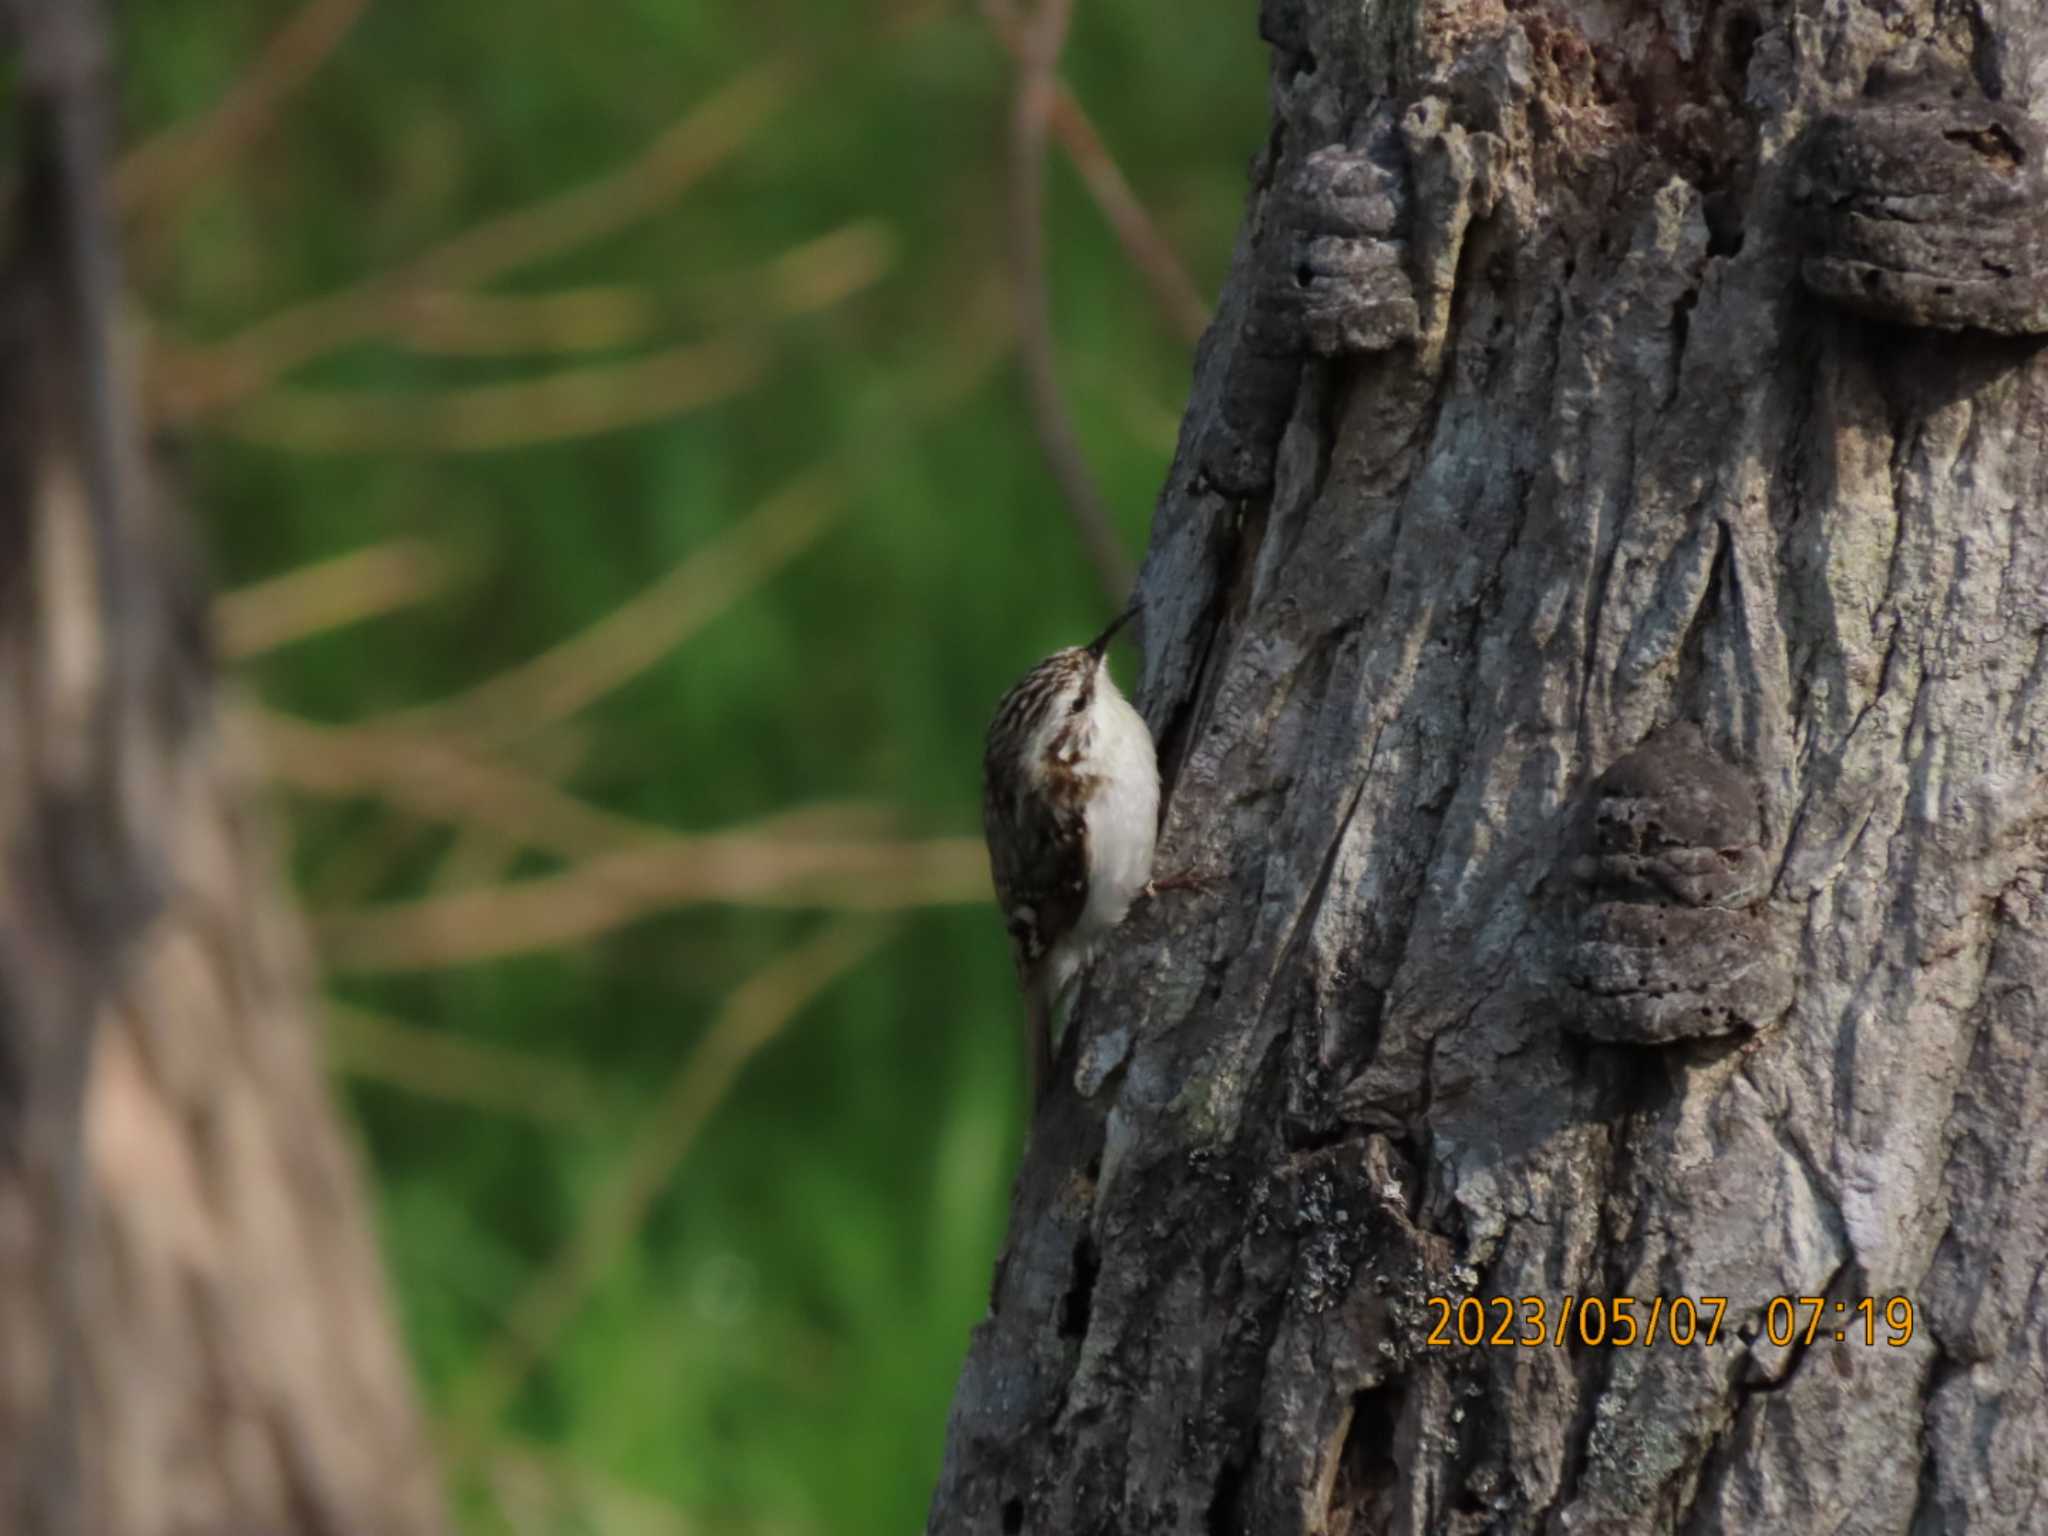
(1080, 703)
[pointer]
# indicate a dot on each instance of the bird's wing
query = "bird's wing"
(1038, 852)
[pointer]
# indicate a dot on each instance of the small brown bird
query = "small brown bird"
(1070, 805)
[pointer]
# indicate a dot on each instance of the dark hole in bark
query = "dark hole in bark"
(1724, 225)
(1013, 1516)
(1410, 1150)
(1681, 320)
(1080, 1292)
(1227, 1514)
(1738, 43)
(1362, 1497)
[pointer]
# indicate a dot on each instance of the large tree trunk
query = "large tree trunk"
(193, 1338)
(1598, 639)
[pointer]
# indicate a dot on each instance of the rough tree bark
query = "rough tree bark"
(1598, 638)
(193, 1336)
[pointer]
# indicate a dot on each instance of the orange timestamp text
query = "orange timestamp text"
(1620, 1322)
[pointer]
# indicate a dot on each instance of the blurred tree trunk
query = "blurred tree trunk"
(194, 1335)
(1598, 639)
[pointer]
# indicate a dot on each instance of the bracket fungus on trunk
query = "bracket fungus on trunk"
(1926, 205)
(1331, 279)
(1340, 285)
(1673, 941)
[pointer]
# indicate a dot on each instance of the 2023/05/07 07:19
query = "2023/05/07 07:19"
(1621, 1322)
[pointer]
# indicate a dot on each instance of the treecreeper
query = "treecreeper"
(1070, 807)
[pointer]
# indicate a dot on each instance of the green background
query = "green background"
(767, 1340)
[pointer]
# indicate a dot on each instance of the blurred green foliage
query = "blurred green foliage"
(772, 1345)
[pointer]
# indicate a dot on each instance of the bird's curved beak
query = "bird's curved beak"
(1100, 644)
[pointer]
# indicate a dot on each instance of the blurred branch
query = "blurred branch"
(1147, 249)
(577, 402)
(759, 1010)
(639, 632)
(898, 19)
(356, 869)
(1172, 288)
(439, 780)
(462, 324)
(326, 595)
(830, 820)
(609, 892)
(436, 1065)
(165, 167)
(802, 280)
(636, 635)
(822, 272)
(477, 856)
(213, 378)
(486, 855)
(555, 1493)
(572, 402)
(417, 763)
(1038, 50)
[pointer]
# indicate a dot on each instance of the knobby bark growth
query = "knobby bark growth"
(1597, 632)
(193, 1335)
